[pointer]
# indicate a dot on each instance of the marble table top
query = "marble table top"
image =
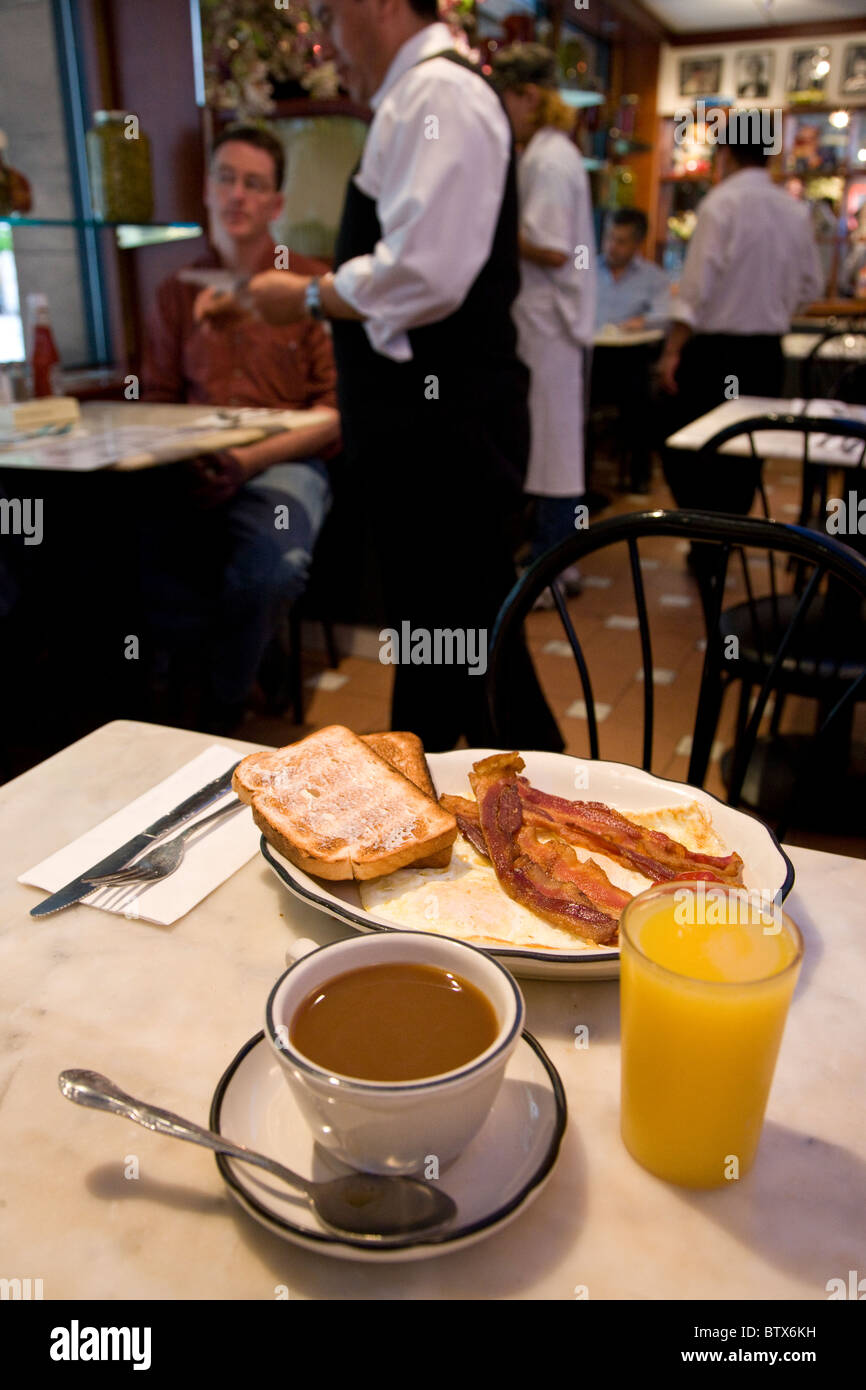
(163, 1011)
(836, 451)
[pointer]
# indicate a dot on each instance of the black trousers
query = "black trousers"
(444, 521)
(715, 367)
(621, 378)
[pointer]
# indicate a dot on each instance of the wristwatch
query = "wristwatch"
(313, 301)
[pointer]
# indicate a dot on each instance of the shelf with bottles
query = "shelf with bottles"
(823, 163)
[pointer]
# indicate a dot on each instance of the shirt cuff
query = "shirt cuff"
(350, 281)
(681, 312)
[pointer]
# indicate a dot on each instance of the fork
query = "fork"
(163, 860)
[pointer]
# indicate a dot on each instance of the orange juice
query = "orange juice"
(706, 977)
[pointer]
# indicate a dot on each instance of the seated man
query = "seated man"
(633, 295)
(256, 509)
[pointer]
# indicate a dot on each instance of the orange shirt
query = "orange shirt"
(236, 361)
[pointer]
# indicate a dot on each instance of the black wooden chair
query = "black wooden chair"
(781, 646)
(812, 428)
(821, 376)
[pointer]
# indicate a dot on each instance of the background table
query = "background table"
(612, 336)
(102, 419)
(164, 1010)
(774, 443)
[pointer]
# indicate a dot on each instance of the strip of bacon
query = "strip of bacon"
(558, 858)
(561, 863)
(522, 877)
(595, 826)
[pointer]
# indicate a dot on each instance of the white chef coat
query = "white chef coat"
(435, 163)
(555, 309)
(752, 259)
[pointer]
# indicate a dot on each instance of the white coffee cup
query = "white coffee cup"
(395, 1126)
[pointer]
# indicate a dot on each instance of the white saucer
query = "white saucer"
(492, 1181)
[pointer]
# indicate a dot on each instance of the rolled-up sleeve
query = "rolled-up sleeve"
(443, 154)
(547, 209)
(704, 269)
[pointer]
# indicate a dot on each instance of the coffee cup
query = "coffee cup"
(402, 1127)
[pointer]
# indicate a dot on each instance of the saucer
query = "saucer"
(493, 1180)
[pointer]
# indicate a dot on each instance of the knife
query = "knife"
(80, 888)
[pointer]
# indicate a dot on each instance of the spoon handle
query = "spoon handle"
(93, 1089)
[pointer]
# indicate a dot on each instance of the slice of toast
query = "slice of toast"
(405, 751)
(332, 806)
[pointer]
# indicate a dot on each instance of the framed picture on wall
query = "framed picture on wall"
(854, 70)
(700, 77)
(753, 73)
(808, 73)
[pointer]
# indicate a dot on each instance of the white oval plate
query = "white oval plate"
(766, 867)
(494, 1179)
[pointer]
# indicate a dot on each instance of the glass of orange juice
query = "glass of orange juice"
(706, 976)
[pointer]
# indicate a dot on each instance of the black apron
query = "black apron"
(439, 447)
(481, 386)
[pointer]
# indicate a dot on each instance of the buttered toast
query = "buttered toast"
(338, 810)
(405, 751)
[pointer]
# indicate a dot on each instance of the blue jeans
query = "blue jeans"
(214, 578)
(273, 523)
(554, 523)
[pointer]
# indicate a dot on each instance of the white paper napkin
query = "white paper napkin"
(210, 859)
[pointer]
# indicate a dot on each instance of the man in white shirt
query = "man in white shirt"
(433, 396)
(751, 262)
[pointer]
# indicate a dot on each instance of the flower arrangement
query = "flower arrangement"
(250, 44)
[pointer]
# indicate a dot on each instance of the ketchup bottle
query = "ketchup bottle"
(44, 357)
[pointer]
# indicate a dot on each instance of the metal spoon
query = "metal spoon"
(362, 1204)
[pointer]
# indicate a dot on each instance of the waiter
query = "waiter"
(432, 394)
(752, 260)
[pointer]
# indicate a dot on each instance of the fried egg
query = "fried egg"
(466, 901)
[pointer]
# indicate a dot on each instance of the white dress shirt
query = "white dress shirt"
(435, 163)
(752, 259)
(556, 214)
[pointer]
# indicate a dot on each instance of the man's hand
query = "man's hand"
(277, 296)
(667, 371)
(212, 304)
(217, 477)
(669, 361)
(633, 325)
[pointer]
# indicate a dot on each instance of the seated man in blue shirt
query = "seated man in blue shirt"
(633, 293)
(633, 296)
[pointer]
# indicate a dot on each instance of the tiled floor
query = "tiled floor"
(603, 616)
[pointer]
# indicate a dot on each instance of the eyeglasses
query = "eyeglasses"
(253, 183)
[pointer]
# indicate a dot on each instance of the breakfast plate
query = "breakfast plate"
(503, 1169)
(766, 868)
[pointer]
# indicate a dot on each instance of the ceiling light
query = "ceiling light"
(839, 119)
